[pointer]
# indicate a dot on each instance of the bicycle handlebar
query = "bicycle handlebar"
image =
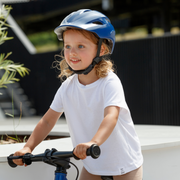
(93, 151)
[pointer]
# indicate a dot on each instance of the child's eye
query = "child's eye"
(67, 47)
(81, 46)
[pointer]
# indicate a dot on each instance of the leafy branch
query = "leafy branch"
(4, 13)
(8, 68)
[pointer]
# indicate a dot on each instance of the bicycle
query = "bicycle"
(59, 159)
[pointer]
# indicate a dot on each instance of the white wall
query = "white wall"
(159, 164)
(37, 170)
(162, 164)
(160, 148)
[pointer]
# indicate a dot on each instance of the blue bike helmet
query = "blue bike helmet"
(92, 21)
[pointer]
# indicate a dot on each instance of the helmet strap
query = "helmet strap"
(95, 61)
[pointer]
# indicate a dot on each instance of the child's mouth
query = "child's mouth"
(74, 61)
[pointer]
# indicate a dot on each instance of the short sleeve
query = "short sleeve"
(114, 94)
(57, 104)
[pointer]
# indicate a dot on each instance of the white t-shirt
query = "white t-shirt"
(84, 111)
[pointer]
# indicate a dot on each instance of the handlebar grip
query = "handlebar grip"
(94, 151)
(10, 161)
(26, 159)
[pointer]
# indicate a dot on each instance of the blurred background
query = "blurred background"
(146, 55)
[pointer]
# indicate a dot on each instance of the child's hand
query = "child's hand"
(80, 149)
(21, 153)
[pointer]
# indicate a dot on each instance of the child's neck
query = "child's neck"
(89, 78)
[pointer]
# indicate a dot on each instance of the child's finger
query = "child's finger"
(81, 151)
(19, 162)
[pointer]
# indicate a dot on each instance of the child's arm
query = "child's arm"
(40, 132)
(111, 114)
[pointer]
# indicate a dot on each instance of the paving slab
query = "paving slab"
(148, 134)
(25, 126)
(158, 136)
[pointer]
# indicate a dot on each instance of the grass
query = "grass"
(45, 41)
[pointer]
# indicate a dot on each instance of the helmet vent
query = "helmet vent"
(98, 22)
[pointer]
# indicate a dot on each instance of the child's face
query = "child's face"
(78, 50)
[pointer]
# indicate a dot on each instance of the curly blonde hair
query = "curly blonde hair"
(102, 68)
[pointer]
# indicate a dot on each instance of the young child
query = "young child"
(93, 101)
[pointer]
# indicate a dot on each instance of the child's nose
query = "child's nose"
(73, 51)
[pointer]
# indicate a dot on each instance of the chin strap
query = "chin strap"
(95, 61)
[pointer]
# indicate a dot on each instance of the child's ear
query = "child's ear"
(102, 50)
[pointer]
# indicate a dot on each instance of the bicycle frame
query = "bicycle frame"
(60, 176)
